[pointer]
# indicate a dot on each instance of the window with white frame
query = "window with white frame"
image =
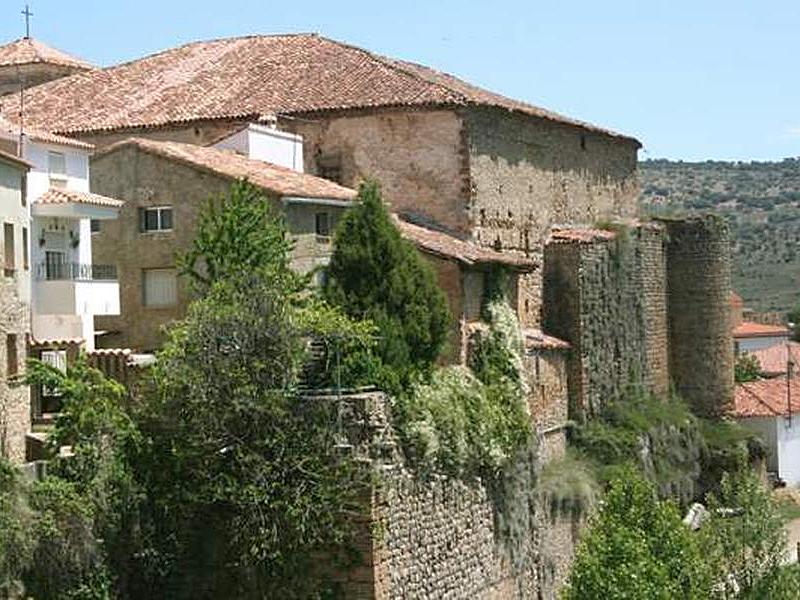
(156, 218)
(160, 287)
(58, 360)
(57, 169)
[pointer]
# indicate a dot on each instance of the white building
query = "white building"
(66, 289)
(771, 408)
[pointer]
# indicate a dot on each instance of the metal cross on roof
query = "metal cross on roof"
(28, 14)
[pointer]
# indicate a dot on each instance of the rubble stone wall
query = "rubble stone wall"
(527, 174)
(701, 353)
(607, 297)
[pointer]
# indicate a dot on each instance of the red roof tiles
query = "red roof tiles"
(272, 178)
(765, 398)
(25, 51)
(58, 196)
(448, 246)
(748, 329)
(9, 129)
(773, 360)
(249, 77)
(535, 339)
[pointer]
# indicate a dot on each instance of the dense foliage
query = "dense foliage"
(637, 547)
(375, 274)
(218, 479)
(746, 368)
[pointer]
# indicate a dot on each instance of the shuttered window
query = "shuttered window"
(160, 287)
(8, 248)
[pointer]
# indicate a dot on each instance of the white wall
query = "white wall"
(77, 161)
(267, 144)
(789, 449)
(767, 429)
(759, 343)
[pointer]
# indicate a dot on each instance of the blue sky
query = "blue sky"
(693, 80)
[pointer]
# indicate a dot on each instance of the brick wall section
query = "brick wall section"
(607, 298)
(528, 174)
(699, 281)
(142, 180)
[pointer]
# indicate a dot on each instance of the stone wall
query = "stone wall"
(605, 294)
(528, 174)
(437, 537)
(701, 353)
(32, 74)
(15, 401)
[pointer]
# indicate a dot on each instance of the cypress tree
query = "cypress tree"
(376, 274)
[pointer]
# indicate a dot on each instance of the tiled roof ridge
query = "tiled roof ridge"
(43, 53)
(62, 196)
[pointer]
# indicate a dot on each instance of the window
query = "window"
(94, 225)
(158, 218)
(12, 360)
(160, 287)
(8, 248)
(25, 264)
(323, 225)
(57, 169)
(58, 360)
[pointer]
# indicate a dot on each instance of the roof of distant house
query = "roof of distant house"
(9, 129)
(748, 329)
(59, 196)
(447, 245)
(765, 398)
(25, 51)
(275, 179)
(773, 360)
(12, 158)
(536, 339)
(253, 77)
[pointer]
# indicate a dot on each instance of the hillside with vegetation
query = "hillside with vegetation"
(761, 201)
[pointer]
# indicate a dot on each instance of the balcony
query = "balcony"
(62, 288)
(63, 271)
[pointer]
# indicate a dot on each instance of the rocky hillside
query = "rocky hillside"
(761, 200)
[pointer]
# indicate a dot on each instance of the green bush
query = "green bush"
(637, 547)
(377, 275)
(747, 368)
(17, 541)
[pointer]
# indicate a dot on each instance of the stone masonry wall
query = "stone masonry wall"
(701, 353)
(607, 297)
(437, 537)
(15, 402)
(528, 174)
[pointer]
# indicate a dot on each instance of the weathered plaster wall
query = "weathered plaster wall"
(528, 174)
(417, 156)
(141, 180)
(701, 353)
(608, 299)
(31, 74)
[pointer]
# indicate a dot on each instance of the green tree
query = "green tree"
(237, 235)
(375, 274)
(745, 538)
(637, 547)
(747, 368)
(17, 541)
(794, 318)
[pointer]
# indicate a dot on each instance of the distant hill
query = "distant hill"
(761, 201)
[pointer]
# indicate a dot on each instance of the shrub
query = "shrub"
(377, 275)
(747, 368)
(16, 535)
(637, 547)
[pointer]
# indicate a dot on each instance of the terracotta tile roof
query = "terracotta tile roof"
(250, 77)
(57, 196)
(748, 329)
(13, 158)
(773, 359)
(10, 130)
(57, 341)
(582, 236)
(25, 51)
(272, 178)
(765, 398)
(448, 246)
(535, 339)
